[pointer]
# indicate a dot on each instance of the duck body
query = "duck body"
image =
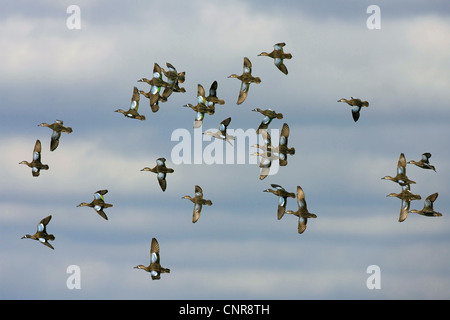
(154, 267)
(98, 204)
(161, 170)
(356, 104)
(278, 56)
(199, 201)
(36, 165)
(41, 234)
(302, 213)
(246, 79)
(282, 195)
(57, 128)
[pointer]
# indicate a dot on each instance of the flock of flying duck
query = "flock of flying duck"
(159, 92)
(406, 196)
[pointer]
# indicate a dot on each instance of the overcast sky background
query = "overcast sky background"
(238, 249)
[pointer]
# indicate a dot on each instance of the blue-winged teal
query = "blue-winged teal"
(283, 149)
(428, 207)
(302, 213)
(98, 203)
(154, 267)
(156, 84)
(356, 104)
(278, 56)
(161, 170)
(424, 162)
(174, 78)
(282, 195)
(269, 115)
(57, 127)
(246, 79)
(267, 155)
(401, 177)
(36, 165)
(406, 196)
(201, 107)
(198, 201)
(41, 233)
(212, 98)
(134, 106)
(222, 132)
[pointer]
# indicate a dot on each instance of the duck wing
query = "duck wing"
(401, 164)
(196, 212)
(356, 112)
(404, 210)
(162, 180)
(280, 65)
(302, 224)
(428, 203)
(301, 199)
(243, 92)
(41, 227)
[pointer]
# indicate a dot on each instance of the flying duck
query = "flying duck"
(212, 98)
(302, 213)
(36, 165)
(174, 78)
(156, 83)
(401, 177)
(222, 132)
(266, 156)
(282, 198)
(278, 56)
(269, 115)
(356, 104)
(424, 162)
(57, 128)
(283, 149)
(98, 203)
(134, 106)
(246, 79)
(428, 207)
(154, 267)
(161, 170)
(41, 233)
(406, 196)
(201, 107)
(198, 201)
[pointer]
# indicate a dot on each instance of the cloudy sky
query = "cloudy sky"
(238, 249)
